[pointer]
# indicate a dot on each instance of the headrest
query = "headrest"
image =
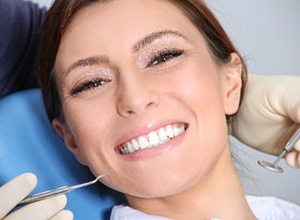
(28, 143)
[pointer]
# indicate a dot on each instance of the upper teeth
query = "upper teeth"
(153, 139)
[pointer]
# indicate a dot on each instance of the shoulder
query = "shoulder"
(273, 208)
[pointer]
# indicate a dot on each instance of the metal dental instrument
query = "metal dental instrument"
(289, 146)
(55, 192)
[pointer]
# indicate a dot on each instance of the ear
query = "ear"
(232, 84)
(63, 130)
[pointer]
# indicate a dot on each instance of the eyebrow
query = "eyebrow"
(89, 61)
(154, 36)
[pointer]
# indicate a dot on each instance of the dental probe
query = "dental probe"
(57, 191)
(288, 147)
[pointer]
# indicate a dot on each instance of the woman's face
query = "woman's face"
(143, 100)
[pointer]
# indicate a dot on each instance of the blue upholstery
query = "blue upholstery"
(29, 144)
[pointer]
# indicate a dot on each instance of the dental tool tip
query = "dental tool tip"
(270, 166)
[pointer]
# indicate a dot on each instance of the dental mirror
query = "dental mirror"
(288, 147)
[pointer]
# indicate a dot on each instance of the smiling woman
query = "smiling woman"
(110, 74)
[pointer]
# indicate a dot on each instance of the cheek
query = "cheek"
(199, 87)
(90, 127)
(200, 92)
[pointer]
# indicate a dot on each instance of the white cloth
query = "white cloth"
(270, 208)
(264, 208)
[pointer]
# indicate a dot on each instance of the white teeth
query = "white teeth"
(181, 129)
(162, 135)
(143, 142)
(135, 144)
(130, 147)
(153, 139)
(175, 131)
(169, 131)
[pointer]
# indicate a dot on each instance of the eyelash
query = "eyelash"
(164, 56)
(92, 84)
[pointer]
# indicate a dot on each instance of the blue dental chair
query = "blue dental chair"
(29, 144)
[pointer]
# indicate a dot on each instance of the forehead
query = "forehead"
(114, 17)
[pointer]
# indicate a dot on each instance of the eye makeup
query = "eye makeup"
(164, 56)
(89, 84)
(89, 78)
(160, 47)
(159, 53)
(87, 62)
(163, 35)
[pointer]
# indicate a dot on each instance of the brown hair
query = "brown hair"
(61, 14)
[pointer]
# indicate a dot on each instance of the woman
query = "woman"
(163, 70)
(111, 74)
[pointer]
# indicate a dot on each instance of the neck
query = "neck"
(220, 196)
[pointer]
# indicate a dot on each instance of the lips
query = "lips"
(152, 139)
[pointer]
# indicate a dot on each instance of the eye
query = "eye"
(164, 56)
(88, 85)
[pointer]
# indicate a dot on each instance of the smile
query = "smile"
(152, 139)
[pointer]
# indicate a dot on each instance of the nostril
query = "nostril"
(150, 104)
(130, 112)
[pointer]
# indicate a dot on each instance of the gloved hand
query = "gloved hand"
(17, 189)
(270, 114)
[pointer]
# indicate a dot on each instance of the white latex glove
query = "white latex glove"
(17, 189)
(270, 114)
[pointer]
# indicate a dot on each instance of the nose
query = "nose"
(135, 95)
